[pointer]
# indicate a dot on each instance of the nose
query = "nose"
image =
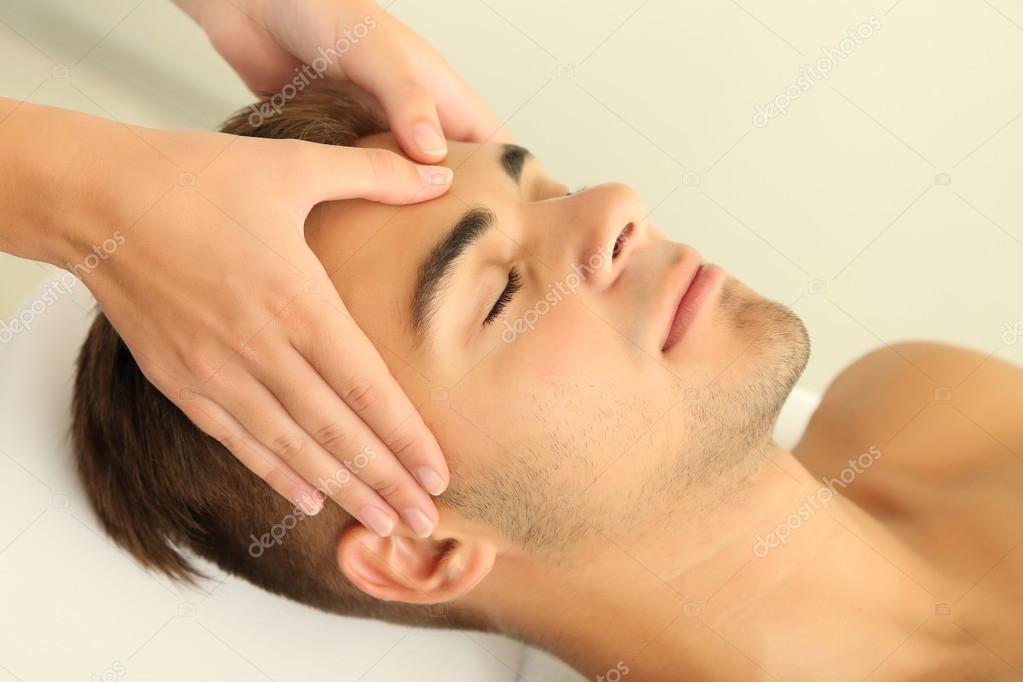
(608, 225)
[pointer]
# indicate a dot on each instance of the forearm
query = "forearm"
(64, 179)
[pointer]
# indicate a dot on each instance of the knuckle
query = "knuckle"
(402, 441)
(361, 395)
(383, 166)
(387, 487)
(334, 438)
(242, 347)
(288, 446)
(200, 365)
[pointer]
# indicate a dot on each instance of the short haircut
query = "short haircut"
(162, 488)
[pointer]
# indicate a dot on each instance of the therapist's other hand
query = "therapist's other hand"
(229, 314)
(268, 42)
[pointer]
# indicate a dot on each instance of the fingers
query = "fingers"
(363, 382)
(465, 116)
(259, 412)
(424, 98)
(218, 424)
(411, 108)
(236, 33)
(391, 75)
(413, 118)
(420, 118)
(321, 172)
(336, 428)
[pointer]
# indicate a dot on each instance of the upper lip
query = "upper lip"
(680, 278)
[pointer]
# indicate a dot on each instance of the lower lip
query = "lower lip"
(692, 303)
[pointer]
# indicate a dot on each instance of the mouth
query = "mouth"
(689, 284)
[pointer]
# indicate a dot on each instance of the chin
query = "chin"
(714, 440)
(779, 348)
(775, 349)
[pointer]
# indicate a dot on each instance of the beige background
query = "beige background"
(884, 205)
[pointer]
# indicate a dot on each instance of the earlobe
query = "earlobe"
(414, 570)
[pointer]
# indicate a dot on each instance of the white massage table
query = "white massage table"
(75, 607)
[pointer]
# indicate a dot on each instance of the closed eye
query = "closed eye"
(510, 289)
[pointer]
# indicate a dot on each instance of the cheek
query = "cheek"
(564, 429)
(556, 338)
(572, 343)
(464, 424)
(567, 393)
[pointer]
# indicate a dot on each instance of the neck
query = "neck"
(743, 590)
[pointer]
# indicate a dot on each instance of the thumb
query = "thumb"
(331, 172)
(412, 115)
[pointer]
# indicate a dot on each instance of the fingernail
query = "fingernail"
(430, 480)
(419, 522)
(310, 504)
(429, 140)
(435, 175)
(377, 521)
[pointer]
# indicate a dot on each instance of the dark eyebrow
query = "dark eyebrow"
(512, 159)
(435, 271)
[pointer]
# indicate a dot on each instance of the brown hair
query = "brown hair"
(161, 486)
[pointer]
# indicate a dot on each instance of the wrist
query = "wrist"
(114, 181)
(37, 144)
(72, 181)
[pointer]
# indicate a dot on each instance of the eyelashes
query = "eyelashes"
(510, 289)
(513, 285)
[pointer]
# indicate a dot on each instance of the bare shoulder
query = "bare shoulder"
(923, 399)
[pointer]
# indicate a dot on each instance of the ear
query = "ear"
(411, 569)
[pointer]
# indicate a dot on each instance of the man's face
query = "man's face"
(529, 327)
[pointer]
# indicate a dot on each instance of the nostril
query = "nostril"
(623, 238)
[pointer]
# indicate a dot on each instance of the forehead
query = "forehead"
(372, 252)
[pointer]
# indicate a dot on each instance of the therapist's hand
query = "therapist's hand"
(229, 313)
(273, 43)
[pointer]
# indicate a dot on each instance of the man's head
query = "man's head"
(529, 326)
